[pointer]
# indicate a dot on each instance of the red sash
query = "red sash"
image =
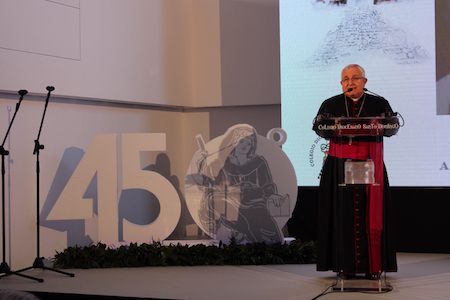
(374, 221)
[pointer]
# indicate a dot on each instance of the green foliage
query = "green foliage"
(156, 254)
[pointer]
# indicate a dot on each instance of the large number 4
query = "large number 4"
(101, 159)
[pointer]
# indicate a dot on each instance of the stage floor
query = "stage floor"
(420, 276)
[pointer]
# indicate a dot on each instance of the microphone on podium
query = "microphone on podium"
(366, 90)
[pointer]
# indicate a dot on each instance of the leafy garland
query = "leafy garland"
(156, 254)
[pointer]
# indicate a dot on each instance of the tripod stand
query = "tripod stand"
(4, 268)
(38, 262)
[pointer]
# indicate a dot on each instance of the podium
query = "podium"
(356, 187)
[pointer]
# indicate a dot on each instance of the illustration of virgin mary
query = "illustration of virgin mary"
(237, 186)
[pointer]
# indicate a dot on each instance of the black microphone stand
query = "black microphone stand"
(38, 262)
(4, 268)
(366, 90)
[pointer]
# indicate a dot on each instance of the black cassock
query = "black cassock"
(342, 237)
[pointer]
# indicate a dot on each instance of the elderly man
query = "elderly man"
(355, 229)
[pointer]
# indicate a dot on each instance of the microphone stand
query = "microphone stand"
(38, 262)
(4, 268)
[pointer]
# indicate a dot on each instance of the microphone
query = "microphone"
(366, 90)
(348, 91)
(49, 89)
(23, 92)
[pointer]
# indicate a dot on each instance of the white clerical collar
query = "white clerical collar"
(355, 99)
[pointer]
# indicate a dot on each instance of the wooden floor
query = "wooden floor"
(420, 276)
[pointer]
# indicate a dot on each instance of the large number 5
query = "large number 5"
(135, 178)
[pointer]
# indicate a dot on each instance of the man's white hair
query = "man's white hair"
(363, 72)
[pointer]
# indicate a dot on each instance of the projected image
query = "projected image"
(365, 29)
(394, 41)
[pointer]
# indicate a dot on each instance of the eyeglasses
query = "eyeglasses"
(347, 80)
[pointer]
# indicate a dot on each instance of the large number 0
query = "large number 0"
(101, 159)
